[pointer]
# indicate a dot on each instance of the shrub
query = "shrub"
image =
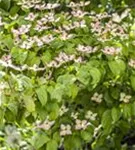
(67, 76)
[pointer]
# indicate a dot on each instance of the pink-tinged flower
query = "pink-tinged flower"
(7, 59)
(31, 17)
(86, 49)
(111, 50)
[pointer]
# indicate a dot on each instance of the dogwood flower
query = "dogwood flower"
(74, 115)
(63, 110)
(65, 130)
(31, 17)
(81, 124)
(46, 125)
(97, 97)
(90, 115)
(111, 50)
(125, 98)
(131, 63)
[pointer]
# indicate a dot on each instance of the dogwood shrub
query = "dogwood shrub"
(67, 77)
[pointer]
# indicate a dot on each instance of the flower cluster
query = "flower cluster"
(37, 4)
(61, 59)
(105, 31)
(75, 24)
(65, 130)
(125, 98)
(39, 41)
(97, 97)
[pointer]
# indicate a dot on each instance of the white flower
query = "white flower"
(74, 115)
(51, 6)
(24, 29)
(1, 23)
(80, 24)
(47, 38)
(96, 130)
(132, 63)
(81, 124)
(26, 45)
(125, 98)
(46, 125)
(63, 110)
(40, 6)
(66, 36)
(78, 13)
(78, 60)
(65, 130)
(90, 115)
(97, 97)
(81, 4)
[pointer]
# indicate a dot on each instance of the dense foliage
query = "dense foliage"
(67, 74)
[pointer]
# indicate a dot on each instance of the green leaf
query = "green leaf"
(8, 41)
(106, 121)
(87, 136)
(115, 114)
(29, 103)
(5, 4)
(117, 67)
(132, 80)
(133, 109)
(83, 75)
(72, 142)
(52, 145)
(14, 10)
(1, 117)
(66, 79)
(96, 76)
(126, 110)
(19, 55)
(40, 140)
(58, 92)
(42, 95)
